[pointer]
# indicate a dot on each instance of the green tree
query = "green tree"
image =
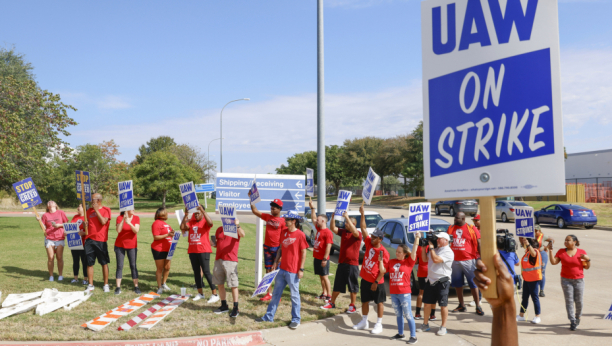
(160, 174)
(193, 157)
(413, 168)
(153, 145)
(58, 183)
(13, 64)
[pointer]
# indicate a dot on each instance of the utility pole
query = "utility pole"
(322, 190)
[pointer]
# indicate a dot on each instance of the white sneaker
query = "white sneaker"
(106, 288)
(520, 319)
(536, 320)
(160, 290)
(85, 282)
(90, 288)
(165, 287)
(473, 303)
(213, 299)
(61, 278)
(364, 324)
(441, 331)
(377, 329)
(198, 297)
(50, 278)
(74, 280)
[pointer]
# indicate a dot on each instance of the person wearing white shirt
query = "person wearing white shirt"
(439, 266)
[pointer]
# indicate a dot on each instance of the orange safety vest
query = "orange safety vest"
(540, 237)
(531, 273)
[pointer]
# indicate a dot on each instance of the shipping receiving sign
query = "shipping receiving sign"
(491, 98)
(26, 193)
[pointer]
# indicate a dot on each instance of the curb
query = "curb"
(243, 339)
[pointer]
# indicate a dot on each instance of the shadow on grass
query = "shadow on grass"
(43, 274)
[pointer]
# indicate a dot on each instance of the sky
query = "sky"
(142, 69)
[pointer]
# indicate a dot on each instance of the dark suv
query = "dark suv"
(468, 206)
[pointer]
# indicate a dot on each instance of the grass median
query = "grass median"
(23, 269)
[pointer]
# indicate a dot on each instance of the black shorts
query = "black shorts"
(422, 283)
(437, 293)
(346, 274)
(321, 271)
(367, 295)
(157, 255)
(96, 249)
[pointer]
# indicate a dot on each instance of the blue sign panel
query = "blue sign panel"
(26, 193)
(175, 240)
(201, 188)
(232, 189)
(86, 184)
(265, 283)
(418, 217)
(72, 236)
(524, 222)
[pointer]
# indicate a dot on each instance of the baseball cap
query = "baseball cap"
(477, 217)
(377, 233)
(278, 202)
(537, 227)
(292, 214)
(443, 235)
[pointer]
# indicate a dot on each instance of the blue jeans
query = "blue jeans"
(284, 278)
(544, 262)
(530, 289)
(403, 309)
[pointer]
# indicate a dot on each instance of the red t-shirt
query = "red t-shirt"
(349, 247)
(160, 227)
(292, 244)
(78, 219)
(227, 247)
(463, 245)
(96, 230)
(324, 237)
(571, 267)
(199, 238)
(422, 270)
(399, 275)
(126, 238)
(54, 233)
(369, 269)
(274, 227)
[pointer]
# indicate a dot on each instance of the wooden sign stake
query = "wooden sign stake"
(488, 242)
(42, 226)
(81, 176)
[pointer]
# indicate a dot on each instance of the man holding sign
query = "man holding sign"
(226, 267)
(98, 217)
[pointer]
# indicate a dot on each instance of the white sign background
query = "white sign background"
(310, 182)
(228, 218)
(370, 186)
(188, 189)
(344, 198)
(126, 189)
(541, 175)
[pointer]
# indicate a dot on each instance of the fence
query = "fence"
(582, 190)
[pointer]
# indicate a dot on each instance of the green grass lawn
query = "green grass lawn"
(23, 269)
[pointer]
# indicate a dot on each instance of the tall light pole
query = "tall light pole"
(208, 157)
(322, 195)
(221, 158)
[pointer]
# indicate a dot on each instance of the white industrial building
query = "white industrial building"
(589, 164)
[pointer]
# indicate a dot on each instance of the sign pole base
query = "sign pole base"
(259, 242)
(42, 226)
(488, 242)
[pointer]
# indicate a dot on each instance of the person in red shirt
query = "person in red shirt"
(275, 224)
(127, 228)
(347, 272)
(78, 256)
(476, 221)
(54, 220)
(293, 253)
(162, 240)
(372, 276)
(421, 276)
(466, 247)
(98, 221)
(399, 270)
(199, 250)
(573, 262)
(226, 267)
(321, 249)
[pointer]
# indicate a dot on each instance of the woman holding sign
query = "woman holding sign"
(162, 240)
(126, 243)
(54, 220)
(199, 250)
(78, 256)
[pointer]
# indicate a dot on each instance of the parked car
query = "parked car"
(504, 210)
(468, 206)
(567, 215)
(396, 233)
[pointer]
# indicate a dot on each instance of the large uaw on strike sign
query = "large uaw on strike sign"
(491, 98)
(232, 189)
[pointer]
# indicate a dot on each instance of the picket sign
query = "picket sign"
(177, 236)
(28, 196)
(344, 198)
(20, 308)
(418, 217)
(83, 189)
(228, 218)
(99, 323)
(126, 195)
(370, 186)
(310, 182)
(190, 198)
(254, 196)
(523, 217)
(608, 315)
(143, 315)
(75, 242)
(266, 281)
(163, 312)
(14, 298)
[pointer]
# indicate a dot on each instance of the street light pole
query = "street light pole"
(221, 136)
(322, 191)
(208, 157)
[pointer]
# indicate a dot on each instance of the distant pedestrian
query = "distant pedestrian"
(275, 225)
(128, 225)
(573, 262)
(96, 247)
(372, 275)
(162, 240)
(531, 267)
(541, 238)
(79, 259)
(321, 248)
(54, 220)
(199, 250)
(292, 256)
(226, 268)
(400, 270)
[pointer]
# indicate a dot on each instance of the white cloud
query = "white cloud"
(107, 102)
(113, 102)
(261, 169)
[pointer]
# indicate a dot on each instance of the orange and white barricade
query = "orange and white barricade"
(143, 315)
(109, 317)
(163, 312)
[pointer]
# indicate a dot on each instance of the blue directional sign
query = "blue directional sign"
(201, 188)
(232, 189)
(27, 194)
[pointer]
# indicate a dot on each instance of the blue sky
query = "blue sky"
(141, 69)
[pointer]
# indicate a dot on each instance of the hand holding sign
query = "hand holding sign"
(228, 218)
(190, 199)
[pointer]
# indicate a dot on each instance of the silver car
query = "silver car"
(504, 210)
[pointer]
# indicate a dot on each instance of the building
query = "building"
(589, 164)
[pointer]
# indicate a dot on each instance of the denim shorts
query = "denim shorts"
(461, 269)
(54, 243)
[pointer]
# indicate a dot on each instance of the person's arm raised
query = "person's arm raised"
(554, 260)
(434, 256)
(135, 228)
(183, 225)
(254, 209)
(363, 225)
(348, 225)
(313, 214)
(206, 216)
(424, 254)
(119, 226)
(415, 246)
(332, 224)
(241, 233)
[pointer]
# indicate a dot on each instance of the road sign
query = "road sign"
(126, 195)
(491, 99)
(26, 193)
(419, 215)
(86, 183)
(523, 217)
(201, 188)
(309, 182)
(233, 188)
(190, 199)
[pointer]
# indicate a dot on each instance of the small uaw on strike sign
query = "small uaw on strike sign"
(492, 104)
(524, 222)
(190, 199)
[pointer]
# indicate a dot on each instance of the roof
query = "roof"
(591, 152)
